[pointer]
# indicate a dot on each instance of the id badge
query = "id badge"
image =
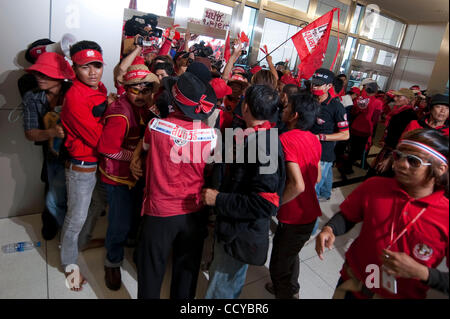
(389, 282)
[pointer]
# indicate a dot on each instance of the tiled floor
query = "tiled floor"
(36, 273)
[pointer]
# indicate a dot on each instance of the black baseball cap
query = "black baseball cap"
(439, 99)
(322, 76)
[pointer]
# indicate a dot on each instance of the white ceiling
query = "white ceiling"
(415, 11)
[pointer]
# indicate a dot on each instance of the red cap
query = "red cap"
(390, 93)
(288, 79)
(255, 69)
(87, 56)
(138, 60)
(53, 65)
(220, 87)
(355, 90)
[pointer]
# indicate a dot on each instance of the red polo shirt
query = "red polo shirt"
(378, 202)
(82, 128)
(175, 172)
(303, 209)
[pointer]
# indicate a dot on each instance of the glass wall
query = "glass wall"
(324, 6)
(382, 29)
(365, 53)
(301, 5)
(274, 33)
(385, 58)
(348, 53)
(331, 52)
(359, 13)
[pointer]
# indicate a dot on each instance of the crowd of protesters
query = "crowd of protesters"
(155, 157)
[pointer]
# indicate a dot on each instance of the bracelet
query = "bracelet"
(322, 137)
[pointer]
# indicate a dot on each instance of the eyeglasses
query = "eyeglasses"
(413, 160)
(144, 91)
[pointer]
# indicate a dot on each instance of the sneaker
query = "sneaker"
(323, 199)
(113, 278)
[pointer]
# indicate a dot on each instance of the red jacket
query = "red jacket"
(81, 118)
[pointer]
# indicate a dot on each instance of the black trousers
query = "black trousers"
(284, 262)
(357, 148)
(184, 236)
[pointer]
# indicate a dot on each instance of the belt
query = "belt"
(77, 162)
(80, 169)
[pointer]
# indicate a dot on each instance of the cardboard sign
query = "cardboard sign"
(216, 19)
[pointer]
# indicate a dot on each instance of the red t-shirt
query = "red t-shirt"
(415, 125)
(82, 127)
(380, 201)
(175, 169)
(303, 148)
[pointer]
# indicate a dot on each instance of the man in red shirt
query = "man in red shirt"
(174, 219)
(124, 124)
(83, 107)
(300, 206)
(365, 114)
(405, 225)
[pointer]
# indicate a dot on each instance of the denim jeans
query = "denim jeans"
(96, 208)
(56, 198)
(323, 188)
(80, 186)
(119, 222)
(226, 275)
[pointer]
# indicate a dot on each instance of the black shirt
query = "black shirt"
(332, 119)
(397, 125)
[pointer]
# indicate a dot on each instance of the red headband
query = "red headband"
(87, 56)
(202, 104)
(136, 74)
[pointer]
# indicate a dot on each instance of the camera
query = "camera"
(136, 25)
(201, 50)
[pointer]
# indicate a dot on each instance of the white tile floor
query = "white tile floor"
(36, 274)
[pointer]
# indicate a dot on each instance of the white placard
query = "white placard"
(216, 19)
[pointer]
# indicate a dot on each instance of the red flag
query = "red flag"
(243, 37)
(227, 52)
(311, 43)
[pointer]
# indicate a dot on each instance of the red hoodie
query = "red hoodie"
(81, 118)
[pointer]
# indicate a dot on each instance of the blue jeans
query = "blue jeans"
(80, 186)
(323, 188)
(56, 198)
(119, 222)
(226, 275)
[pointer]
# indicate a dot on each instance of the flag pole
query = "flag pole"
(272, 51)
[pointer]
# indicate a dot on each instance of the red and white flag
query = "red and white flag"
(311, 43)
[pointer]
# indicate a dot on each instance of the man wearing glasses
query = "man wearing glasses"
(124, 125)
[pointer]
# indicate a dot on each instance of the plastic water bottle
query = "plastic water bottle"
(20, 246)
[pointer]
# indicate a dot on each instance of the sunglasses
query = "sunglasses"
(413, 160)
(144, 91)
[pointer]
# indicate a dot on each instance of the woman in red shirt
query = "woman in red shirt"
(437, 119)
(405, 225)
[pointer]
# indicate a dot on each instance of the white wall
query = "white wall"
(21, 23)
(418, 55)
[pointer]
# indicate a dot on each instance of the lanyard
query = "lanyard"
(412, 222)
